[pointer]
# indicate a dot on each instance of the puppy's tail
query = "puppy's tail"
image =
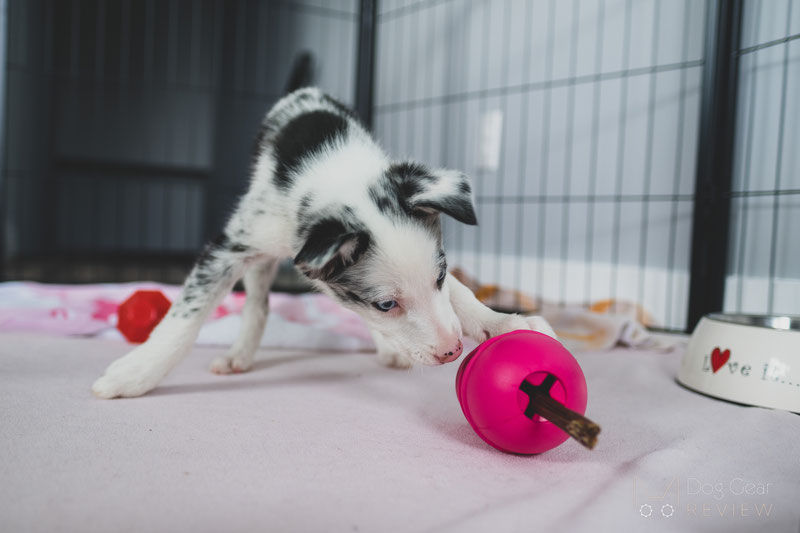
(302, 73)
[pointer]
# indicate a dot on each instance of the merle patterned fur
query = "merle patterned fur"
(364, 229)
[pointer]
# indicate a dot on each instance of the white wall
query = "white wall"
(592, 194)
(764, 259)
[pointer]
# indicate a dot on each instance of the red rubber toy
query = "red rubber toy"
(138, 316)
(524, 393)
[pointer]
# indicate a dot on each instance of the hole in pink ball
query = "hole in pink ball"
(557, 392)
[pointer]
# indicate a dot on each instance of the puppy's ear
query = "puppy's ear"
(330, 248)
(449, 192)
(435, 191)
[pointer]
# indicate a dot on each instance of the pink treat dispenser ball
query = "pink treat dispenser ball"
(524, 393)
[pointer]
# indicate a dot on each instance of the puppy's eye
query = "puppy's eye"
(440, 279)
(386, 305)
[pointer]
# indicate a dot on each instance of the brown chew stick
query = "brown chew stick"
(573, 424)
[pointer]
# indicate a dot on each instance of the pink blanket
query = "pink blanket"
(296, 321)
(306, 321)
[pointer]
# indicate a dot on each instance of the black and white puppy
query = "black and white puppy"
(364, 229)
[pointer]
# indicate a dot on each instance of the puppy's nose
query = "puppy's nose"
(451, 355)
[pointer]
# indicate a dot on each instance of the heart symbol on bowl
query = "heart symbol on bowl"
(719, 358)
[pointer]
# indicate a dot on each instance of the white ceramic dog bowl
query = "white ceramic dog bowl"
(754, 360)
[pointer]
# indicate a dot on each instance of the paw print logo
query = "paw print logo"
(667, 510)
(645, 510)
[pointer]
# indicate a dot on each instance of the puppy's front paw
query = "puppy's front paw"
(130, 376)
(394, 360)
(507, 323)
(233, 362)
(537, 323)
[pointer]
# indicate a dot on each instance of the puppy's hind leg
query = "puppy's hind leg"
(257, 282)
(212, 277)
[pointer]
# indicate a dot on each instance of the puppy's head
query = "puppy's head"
(382, 257)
